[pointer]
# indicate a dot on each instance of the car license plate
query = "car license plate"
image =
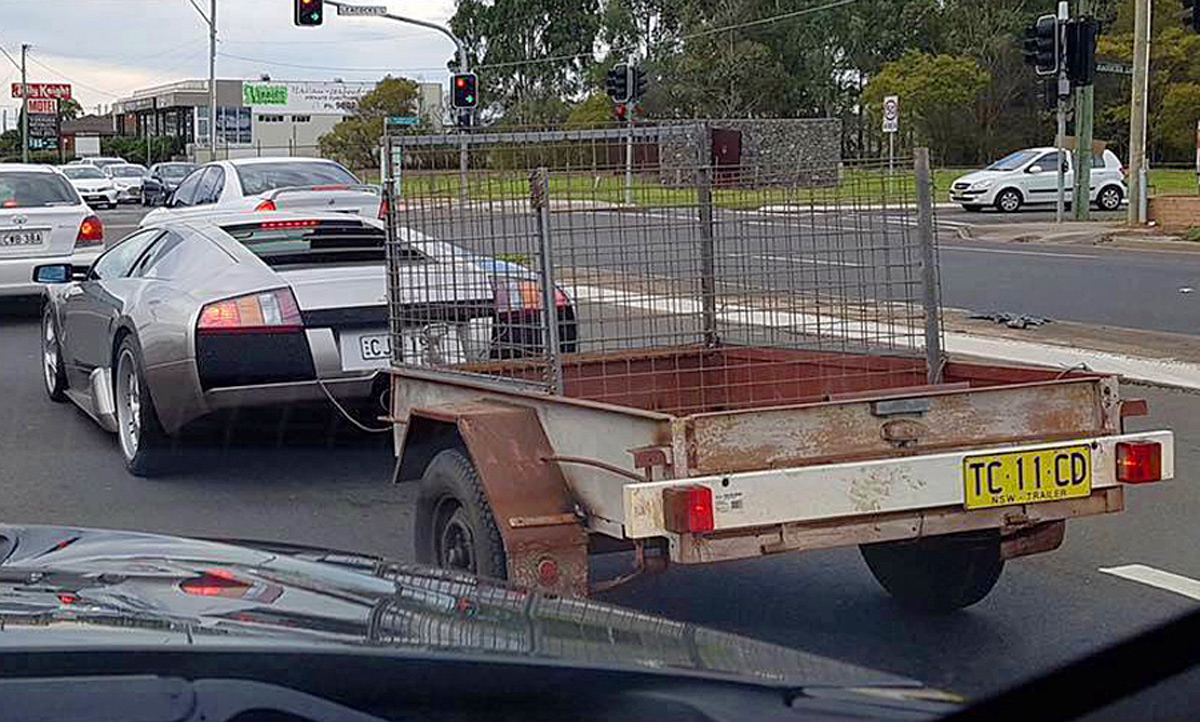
(365, 351)
(21, 238)
(1027, 477)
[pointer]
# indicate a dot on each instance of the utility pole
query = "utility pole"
(1137, 112)
(1084, 100)
(24, 106)
(212, 79)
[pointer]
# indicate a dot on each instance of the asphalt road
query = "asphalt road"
(305, 477)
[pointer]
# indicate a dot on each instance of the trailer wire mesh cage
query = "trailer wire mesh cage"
(627, 266)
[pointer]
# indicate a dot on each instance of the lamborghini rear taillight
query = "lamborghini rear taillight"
(267, 312)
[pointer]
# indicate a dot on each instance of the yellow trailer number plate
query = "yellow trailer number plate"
(1027, 477)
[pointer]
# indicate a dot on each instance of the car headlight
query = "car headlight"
(981, 185)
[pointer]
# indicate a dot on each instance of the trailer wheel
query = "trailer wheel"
(454, 525)
(937, 574)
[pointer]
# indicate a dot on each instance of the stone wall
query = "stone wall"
(1175, 213)
(776, 152)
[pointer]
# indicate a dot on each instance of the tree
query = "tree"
(531, 54)
(938, 94)
(355, 141)
(69, 109)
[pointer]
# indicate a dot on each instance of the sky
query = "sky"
(107, 49)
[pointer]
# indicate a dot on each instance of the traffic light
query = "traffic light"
(1191, 14)
(464, 91)
(1081, 51)
(1041, 48)
(617, 84)
(639, 83)
(309, 13)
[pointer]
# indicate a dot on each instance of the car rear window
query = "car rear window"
(284, 243)
(35, 190)
(84, 173)
(262, 177)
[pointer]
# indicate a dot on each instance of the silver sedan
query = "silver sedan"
(183, 318)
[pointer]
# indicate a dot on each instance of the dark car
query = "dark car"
(162, 179)
(170, 626)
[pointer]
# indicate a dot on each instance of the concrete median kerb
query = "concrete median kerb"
(1086, 233)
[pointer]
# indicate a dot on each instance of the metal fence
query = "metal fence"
(580, 263)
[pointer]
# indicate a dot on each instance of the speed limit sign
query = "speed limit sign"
(891, 114)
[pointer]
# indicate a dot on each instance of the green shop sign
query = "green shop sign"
(256, 94)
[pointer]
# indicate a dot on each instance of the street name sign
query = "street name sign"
(1116, 68)
(362, 10)
(408, 120)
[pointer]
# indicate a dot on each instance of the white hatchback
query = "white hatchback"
(1030, 177)
(42, 220)
(269, 184)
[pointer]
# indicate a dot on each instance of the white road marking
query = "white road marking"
(795, 259)
(965, 249)
(1177, 583)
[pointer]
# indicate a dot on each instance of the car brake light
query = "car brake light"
(279, 225)
(215, 583)
(688, 509)
(268, 312)
(267, 205)
(91, 232)
(1139, 462)
(517, 295)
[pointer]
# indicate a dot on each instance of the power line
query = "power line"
(10, 58)
(66, 77)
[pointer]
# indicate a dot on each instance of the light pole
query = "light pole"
(211, 20)
(24, 106)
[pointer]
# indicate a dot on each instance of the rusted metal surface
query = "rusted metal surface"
(750, 543)
(524, 522)
(649, 458)
(829, 432)
(1134, 407)
(509, 450)
(1033, 540)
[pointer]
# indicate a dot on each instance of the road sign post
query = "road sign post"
(891, 126)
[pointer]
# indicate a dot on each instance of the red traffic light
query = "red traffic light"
(309, 13)
(465, 95)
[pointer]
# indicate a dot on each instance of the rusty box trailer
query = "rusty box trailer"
(693, 380)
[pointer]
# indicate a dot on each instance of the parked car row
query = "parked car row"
(107, 182)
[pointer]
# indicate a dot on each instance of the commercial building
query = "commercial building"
(254, 117)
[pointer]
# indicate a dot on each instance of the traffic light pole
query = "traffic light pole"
(463, 67)
(1081, 202)
(1064, 89)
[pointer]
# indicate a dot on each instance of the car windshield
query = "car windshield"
(125, 171)
(259, 178)
(175, 172)
(34, 190)
(83, 173)
(841, 325)
(1014, 161)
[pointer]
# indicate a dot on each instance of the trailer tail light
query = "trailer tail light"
(688, 509)
(268, 312)
(384, 209)
(91, 233)
(267, 205)
(1139, 462)
(514, 295)
(215, 583)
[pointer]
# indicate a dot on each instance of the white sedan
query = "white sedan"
(127, 177)
(270, 184)
(97, 189)
(42, 220)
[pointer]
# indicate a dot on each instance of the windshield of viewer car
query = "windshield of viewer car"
(262, 177)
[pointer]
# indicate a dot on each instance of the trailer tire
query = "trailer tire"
(455, 527)
(940, 574)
